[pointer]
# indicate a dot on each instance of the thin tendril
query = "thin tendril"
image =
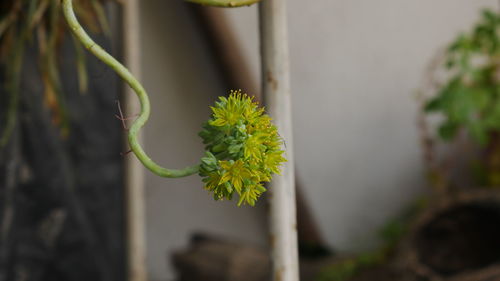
(125, 74)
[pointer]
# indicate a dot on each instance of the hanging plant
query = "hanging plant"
(243, 146)
(38, 24)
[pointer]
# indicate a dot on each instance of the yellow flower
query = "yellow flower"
(224, 116)
(262, 123)
(274, 141)
(263, 176)
(237, 107)
(253, 146)
(213, 180)
(251, 112)
(235, 173)
(250, 194)
(243, 149)
(273, 160)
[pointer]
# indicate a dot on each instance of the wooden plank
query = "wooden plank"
(277, 97)
(134, 172)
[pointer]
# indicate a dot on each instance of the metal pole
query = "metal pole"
(134, 172)
(277, 97)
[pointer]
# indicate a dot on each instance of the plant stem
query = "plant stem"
(225, 3)
(125, 74)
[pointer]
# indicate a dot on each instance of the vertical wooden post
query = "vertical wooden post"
(277, 98)
(134, 172)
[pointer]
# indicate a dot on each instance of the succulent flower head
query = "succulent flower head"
(243, 149)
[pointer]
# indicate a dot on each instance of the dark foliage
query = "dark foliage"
(61, 195)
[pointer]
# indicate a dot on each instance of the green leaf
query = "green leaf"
(448, 130)
(478, 132)
(235, 149)
(435, 104)
(489, 15)
(450, 63)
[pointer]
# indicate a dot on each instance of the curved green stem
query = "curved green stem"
(225, 3)
(123, 72)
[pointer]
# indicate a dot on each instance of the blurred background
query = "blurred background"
(358, 70)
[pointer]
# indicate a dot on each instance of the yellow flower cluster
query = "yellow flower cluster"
(243, 149)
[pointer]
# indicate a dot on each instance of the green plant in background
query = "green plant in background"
(390, 233)
(38, 24)
(348, 268)
(243, 147)
(469, 100)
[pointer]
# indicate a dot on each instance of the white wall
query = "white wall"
(178, 74)
(355, 67)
